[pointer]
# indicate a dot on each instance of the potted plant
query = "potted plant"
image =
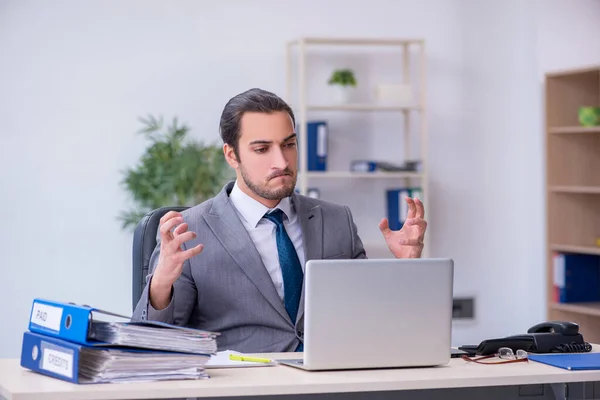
(345, 82)
(173, 171)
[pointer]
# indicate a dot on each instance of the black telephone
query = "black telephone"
(546, 337)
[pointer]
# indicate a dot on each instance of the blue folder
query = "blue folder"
(317, 145)
(67, 321)
(76, 323)
(569, 361)
(69, 361)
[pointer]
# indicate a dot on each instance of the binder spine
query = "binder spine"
(397, 209)
(51, 356)
(69, 322)
(317, 137)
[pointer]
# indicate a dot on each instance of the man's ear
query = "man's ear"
(230, 156)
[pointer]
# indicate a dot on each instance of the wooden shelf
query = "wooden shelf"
(372, 175)
(567, 73)
(575, 249)
(573, 185)
(363, 107)
(574, 129)
(578, 308)
(575, 189)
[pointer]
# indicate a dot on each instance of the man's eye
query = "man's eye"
(260, 150)
(292, 144)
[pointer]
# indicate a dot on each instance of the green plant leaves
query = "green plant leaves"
(173, 171)
(344, 77)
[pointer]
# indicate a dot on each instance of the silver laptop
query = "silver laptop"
(376, 313)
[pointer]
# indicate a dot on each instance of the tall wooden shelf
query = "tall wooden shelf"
(572, 184)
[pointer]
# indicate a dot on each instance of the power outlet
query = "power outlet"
(463, 308)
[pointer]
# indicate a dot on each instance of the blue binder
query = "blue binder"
(68, 321)
(317, 137)
(569, 361)
(62, 359)
(578, 277)
(51, 356)
(75, 323)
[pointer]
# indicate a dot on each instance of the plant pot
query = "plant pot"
(343, 94)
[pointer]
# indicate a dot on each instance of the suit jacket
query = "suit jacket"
(227, 288)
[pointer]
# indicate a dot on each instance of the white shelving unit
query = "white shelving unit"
(302, 108)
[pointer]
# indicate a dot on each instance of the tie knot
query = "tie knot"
(275, 216)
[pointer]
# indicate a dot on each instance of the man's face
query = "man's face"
(268, 155)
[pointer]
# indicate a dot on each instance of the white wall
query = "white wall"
(75, 76)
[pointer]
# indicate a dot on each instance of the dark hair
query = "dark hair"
(253, 100)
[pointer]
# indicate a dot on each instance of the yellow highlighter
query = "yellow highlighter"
(237, 357)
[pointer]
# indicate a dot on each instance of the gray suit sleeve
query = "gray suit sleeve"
(358, 250)
(183, 297)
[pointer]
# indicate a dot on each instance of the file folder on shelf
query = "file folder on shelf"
(576, 277)
(83, 364)
(89, 326)
(569, 361)
(317, 145)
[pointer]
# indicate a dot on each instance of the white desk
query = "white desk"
(459, 379)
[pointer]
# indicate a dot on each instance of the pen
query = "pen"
(236, 357)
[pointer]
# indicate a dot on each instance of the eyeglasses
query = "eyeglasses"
(505, 354)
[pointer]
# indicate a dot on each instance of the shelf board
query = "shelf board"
(362, 107)
(573, 71)
(578, 308)
(574, 129)
(356, 41)
(575, 249)
(349, 174)
(575, 189)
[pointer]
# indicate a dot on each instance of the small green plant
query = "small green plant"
(173, 171)
(343, 77)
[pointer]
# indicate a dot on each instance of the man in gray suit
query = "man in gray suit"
(234, 264)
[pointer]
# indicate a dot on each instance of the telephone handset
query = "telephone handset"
(545, 337)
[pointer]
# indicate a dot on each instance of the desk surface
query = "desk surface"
(20, 384)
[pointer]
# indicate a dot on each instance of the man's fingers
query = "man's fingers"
(165, 228)
(416, 221)
(412, 208)
(180, 229)
(184, 237)
(420, 208)
(189, 253)
(384, 226)
(168, 216)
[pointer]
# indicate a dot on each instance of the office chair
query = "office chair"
(144, 242)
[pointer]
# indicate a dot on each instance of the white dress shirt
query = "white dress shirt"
(262, 231)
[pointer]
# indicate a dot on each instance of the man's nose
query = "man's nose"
(279, 161)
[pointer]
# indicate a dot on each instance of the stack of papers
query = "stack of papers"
(155, 336)
(119, 366)
(76, 343)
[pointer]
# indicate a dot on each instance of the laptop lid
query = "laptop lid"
(377, 313)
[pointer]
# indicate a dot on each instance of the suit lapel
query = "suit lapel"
(230, 231)
(311, 223)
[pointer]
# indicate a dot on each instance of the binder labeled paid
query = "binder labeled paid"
(81, 364)
(90, 326)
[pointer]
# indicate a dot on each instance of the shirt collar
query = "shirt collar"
(252, 210)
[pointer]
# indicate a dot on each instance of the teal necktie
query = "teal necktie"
(290, 265)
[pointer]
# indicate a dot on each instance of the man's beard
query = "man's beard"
(265, 192)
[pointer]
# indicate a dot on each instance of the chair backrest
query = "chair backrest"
(144, 242)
